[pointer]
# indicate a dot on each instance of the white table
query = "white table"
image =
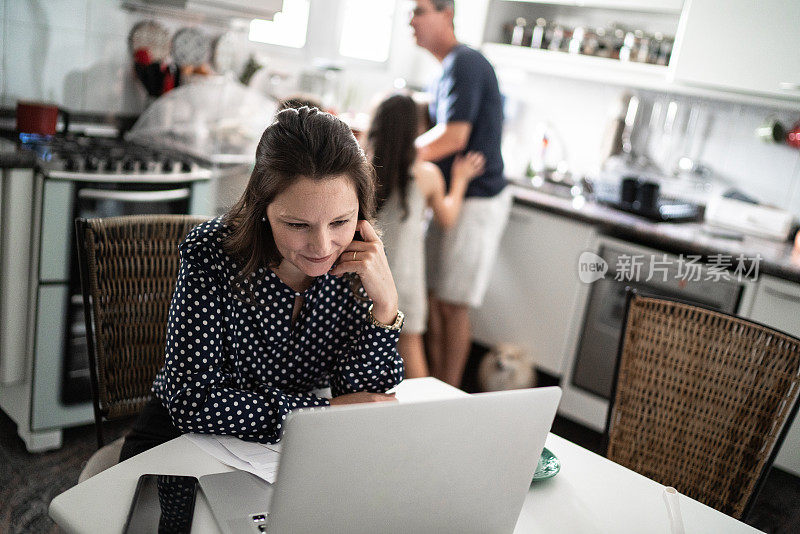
(590, 493)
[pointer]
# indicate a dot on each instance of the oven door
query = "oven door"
(589, 378)
(599, 343)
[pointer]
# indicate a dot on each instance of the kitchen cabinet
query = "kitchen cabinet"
(535, 295)
(777, 304)
(741, 45)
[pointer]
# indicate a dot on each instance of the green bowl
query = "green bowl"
(547, 467)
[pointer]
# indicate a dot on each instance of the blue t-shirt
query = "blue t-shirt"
(467, 91)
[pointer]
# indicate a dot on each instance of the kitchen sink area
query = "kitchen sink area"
(556, 188)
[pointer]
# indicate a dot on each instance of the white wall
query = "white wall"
(74, 53)
(70, 52)
(361, 81)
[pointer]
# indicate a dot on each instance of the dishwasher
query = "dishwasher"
(589, 378)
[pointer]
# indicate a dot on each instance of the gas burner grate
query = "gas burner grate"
(85, 155)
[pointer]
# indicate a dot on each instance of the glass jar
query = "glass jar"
(539, 38)
(518, 33)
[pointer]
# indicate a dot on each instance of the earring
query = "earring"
(264, 219)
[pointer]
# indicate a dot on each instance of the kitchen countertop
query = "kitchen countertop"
(777, 258)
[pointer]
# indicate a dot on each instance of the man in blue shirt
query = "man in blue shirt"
(467, 113)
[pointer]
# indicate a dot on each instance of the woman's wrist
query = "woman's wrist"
(381, 321)
(385, 314)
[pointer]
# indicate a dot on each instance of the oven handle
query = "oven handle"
(136, 196)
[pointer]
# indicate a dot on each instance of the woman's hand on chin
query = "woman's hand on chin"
(367, 259)
(361, 397)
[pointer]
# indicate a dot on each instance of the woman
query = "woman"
(276, 299)
(406, 186)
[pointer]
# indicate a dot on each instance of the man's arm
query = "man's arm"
(443, 140)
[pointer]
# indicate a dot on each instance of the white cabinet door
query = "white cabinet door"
(777, 304)
(741, 45)
(534, 291)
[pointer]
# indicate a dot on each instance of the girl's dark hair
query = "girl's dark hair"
(302, 142)
(391, 144)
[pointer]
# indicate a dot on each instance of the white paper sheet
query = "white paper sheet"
(214, 446)
(256, 454)
(425, 389)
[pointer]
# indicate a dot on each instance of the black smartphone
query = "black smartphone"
(162, 504)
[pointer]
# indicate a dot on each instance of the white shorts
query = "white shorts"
(459, 261)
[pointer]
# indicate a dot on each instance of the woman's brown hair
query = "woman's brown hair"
(302, 142)
(390, 140)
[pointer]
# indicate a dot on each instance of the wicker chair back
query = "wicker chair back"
(702, 400)
(129, 266)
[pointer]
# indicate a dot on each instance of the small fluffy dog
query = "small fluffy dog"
(506, 366)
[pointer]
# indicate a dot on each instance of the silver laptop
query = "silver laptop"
(458, 465)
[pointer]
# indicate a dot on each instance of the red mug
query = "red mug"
(39, 118)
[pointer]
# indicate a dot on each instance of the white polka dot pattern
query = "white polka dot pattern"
(237, 366)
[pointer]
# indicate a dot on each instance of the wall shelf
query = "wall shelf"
(654, 6)
(576, 66)
(510, 60)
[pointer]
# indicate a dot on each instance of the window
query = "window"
(367, 29)
(288, 27)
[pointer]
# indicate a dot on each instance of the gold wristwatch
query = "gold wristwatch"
(396, 325)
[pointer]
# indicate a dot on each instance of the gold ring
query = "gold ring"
(354, 255)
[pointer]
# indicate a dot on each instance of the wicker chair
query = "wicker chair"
(128, 270)
(701, 400)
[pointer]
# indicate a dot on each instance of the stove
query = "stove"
(46, 387)
(106, 159)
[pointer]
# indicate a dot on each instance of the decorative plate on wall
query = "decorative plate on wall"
(190, 46)
(229, 53)
(151, 36)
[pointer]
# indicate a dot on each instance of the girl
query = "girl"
(406, 186)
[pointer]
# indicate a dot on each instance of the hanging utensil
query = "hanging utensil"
(630, 122)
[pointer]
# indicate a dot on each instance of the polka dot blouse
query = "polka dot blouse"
(238, 366)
